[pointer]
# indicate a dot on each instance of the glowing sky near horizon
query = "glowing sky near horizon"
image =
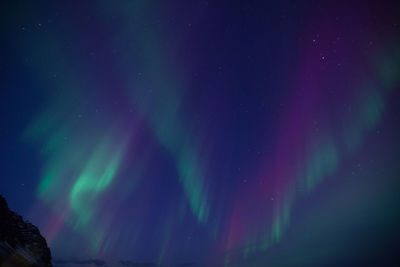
(223, 134)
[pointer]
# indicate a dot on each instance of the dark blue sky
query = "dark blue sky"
(215, 132)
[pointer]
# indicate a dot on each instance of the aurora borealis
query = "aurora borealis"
(218, 133)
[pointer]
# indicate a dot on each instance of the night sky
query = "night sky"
(220, 133)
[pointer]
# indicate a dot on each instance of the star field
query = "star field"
(224, 133)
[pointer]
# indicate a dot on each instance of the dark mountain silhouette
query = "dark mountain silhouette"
(138, 264)
(74, 262)
(21, 243)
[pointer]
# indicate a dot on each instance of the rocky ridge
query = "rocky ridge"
(21, 243)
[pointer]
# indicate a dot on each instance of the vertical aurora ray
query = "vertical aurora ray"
(166, 123)
(158, 95)
(310, 152)
(323, 157)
